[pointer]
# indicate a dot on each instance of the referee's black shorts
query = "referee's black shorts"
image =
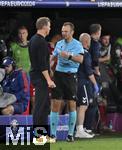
(66, 86)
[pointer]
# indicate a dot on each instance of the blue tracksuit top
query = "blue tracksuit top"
(17, 83)
(85, 69)
(95, 52)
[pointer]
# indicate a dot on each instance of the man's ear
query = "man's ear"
(72, 32)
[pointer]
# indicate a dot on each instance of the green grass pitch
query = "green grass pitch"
(102, 142)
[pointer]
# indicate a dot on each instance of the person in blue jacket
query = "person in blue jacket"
(87, 85)
(92, 111)
(15, 82)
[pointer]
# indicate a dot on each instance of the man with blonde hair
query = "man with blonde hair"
(40, 68)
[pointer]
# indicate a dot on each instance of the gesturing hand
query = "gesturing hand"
(64, 54)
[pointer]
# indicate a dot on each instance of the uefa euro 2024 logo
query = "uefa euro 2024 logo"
(16, 132)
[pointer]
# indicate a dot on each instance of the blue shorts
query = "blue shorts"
(84, 92)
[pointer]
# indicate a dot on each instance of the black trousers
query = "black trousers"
(42, 107)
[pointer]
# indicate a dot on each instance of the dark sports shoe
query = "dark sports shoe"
(70, 138)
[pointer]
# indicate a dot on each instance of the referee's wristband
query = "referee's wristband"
(70, 57)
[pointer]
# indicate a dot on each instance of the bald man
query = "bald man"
(86, 82)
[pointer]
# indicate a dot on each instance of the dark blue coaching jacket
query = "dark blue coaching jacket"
(17, 83)
(85, 69)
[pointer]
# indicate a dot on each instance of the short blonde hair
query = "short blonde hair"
(41, 22)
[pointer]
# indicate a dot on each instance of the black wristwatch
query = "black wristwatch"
(70, 57)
